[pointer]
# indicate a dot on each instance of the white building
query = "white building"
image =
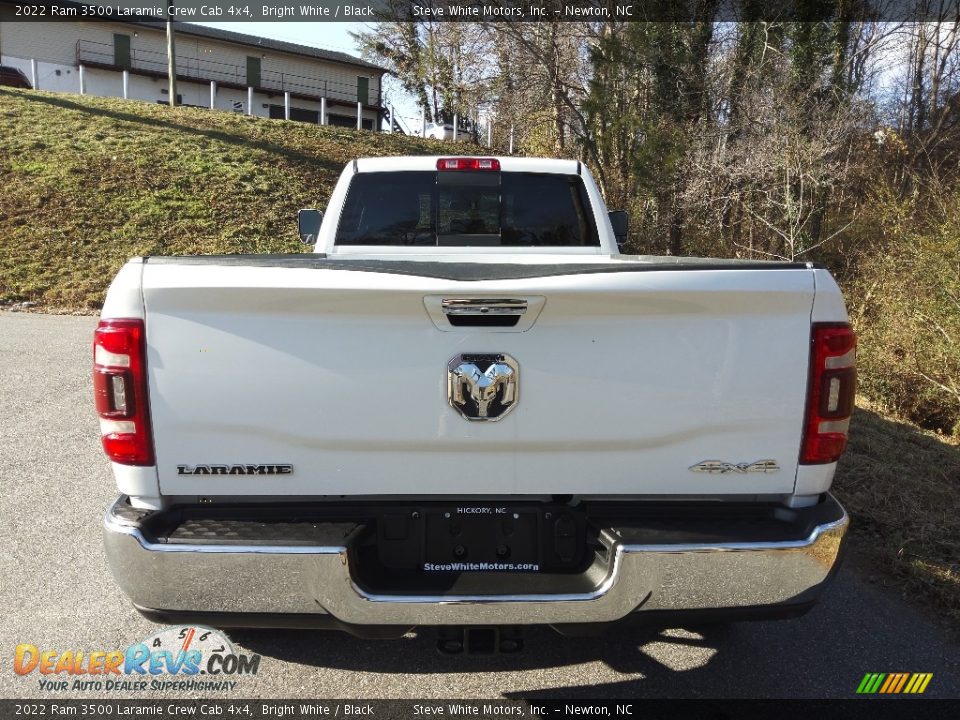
(214, 67)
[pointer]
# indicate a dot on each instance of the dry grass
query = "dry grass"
(904, 299)
(90, 182)
(901, 486)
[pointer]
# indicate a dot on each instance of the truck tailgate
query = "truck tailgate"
(627, 380)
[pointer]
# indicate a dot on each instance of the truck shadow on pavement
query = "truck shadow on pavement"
(648, 652)
(853, 629)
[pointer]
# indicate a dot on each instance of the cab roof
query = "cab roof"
(429, 162)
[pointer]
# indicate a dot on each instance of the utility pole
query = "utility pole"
(171, 56)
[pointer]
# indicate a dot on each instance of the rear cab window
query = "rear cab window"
(467, 209)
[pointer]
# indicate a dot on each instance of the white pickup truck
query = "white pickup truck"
(466, 409)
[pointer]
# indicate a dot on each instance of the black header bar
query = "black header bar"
(583, 11)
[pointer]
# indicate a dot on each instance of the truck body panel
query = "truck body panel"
(627, 380)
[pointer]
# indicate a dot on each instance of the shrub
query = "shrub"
(905, 305)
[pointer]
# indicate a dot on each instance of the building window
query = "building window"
(278, 112)
(363, 90)
(253, 71)
(121, 50)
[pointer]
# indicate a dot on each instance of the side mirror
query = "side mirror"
(308, 223)
(620, 220)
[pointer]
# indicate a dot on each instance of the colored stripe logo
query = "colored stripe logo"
(894, 683)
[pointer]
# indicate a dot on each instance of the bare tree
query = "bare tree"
(763, 183)
(547, 73)
(448, 67)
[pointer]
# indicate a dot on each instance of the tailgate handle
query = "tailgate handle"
(483, 306)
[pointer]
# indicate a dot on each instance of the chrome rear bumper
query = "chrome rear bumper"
(320, 579)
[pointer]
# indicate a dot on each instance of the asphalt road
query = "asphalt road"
(56, 591)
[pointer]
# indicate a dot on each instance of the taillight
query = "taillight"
(468, 163)
(833, 384)
(120, 391)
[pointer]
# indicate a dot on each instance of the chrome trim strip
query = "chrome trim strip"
(809, 541)
(483, 306)
(233, 549)
(608, 582)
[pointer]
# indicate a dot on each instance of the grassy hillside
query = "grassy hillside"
(89, 182)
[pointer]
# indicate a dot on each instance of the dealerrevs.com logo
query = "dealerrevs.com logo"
(179, 658)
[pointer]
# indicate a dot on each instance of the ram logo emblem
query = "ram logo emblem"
(483, 386)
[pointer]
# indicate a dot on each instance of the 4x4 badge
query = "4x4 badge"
(718, 467)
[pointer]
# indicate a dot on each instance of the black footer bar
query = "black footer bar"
(628, 709)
